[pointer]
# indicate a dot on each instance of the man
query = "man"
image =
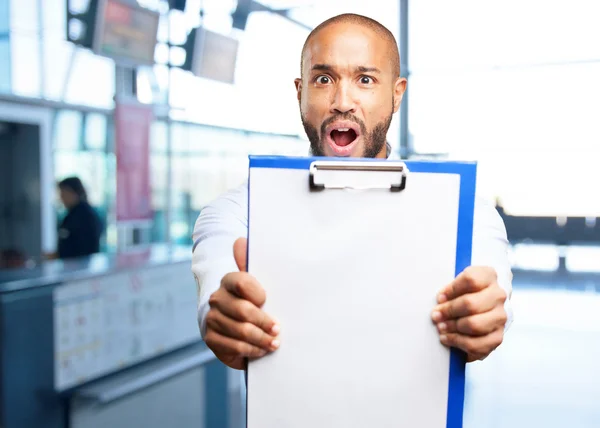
(350, 87)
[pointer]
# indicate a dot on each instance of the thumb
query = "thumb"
(240, 253)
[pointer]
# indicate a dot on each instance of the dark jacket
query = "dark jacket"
(79, 233)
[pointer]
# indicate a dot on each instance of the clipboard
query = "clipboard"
(351, 254)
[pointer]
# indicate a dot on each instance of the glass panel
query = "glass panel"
(25, 64)
(4, 16)
(178, 27)
(54, 19)
(534, 257)
(87, 68)
(159, 179)
(90, 167)
(67, 130)
(5, 83)
(159, 182)
(582, 259)
(209, 176)
(500, 98)
(162, 35)
(5, 69)
(24, 17)
(111, 193)
(562, 32)
(511, 118)
(179, 138)
(217, 15)
(161, 80)
(95, 131)
(234, 106)
(158, 137)
(208, 161)
(57, 56)
(313, 13)
(161, 53)
(90, 162)
(182, 218)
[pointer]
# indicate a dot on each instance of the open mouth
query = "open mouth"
(342, 137)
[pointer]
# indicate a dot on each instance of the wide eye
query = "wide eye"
(366, 80)
(323, 80)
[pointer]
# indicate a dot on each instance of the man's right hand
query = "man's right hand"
(236, 326)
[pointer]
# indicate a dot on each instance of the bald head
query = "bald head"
(360, 20)
(350, 86)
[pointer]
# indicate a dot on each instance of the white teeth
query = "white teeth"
(343, 129)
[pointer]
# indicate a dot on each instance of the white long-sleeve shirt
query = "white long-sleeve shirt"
(226, 219)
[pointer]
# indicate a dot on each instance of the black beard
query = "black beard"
(375, 141)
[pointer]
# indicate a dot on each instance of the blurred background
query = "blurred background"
(147, 110)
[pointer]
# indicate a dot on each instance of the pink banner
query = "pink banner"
(132, 136)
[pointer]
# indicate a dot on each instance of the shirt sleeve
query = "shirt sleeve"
(490, 248)
(218, 226)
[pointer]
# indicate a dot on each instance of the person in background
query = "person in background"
(80, 231)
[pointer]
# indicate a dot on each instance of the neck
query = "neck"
(385, 151)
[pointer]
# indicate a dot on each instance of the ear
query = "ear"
(399, 89)
(298, 83)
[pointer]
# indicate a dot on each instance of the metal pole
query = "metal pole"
(405, 146)
(41, 56)
(169, 190)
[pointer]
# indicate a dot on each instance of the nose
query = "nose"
(343, 101)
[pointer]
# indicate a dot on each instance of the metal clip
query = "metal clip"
(325, 175)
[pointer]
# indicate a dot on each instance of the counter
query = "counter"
(97, 340)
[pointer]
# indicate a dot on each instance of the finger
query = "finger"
(468, 304)
(240, 252)
(244, 286)
(477, 347)
(225, 346)
(246, 332)
(243, 311)
(476, 325)
(471, 280)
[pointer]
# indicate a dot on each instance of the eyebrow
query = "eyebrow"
(362, 69)
(359, 69)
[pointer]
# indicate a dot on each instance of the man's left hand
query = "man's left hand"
(470, 314)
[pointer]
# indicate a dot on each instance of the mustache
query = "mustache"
(344, 116)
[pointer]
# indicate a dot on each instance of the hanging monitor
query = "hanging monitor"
(211, 55)
(126, 32)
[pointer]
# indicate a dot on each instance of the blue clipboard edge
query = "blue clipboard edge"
(464, 244)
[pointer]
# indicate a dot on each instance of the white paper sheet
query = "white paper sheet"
(352, 277)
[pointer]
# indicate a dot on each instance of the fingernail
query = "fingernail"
(275, 329)
(275, 344)
(443, 338)
(441, 298)
(437, 316)
(442, 327)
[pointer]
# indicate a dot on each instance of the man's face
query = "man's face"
(348, 91)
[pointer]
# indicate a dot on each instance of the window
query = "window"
(88, 68)
(208, 161)
(523, 103)
(25, 48)
(5, 80)
(159, 179)
(80, 146)
(5, 84)
(266, 68)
